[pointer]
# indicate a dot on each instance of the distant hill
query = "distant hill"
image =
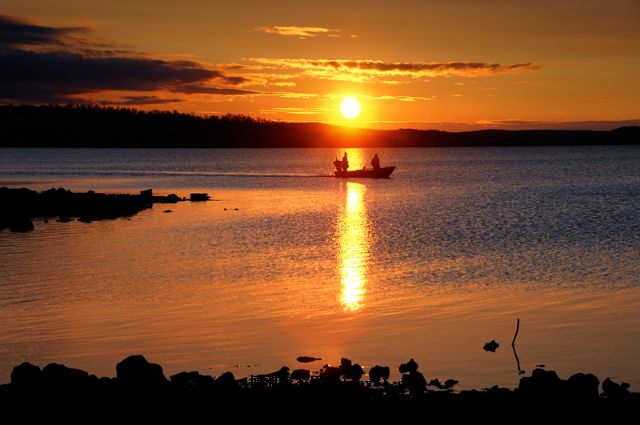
(94, 126)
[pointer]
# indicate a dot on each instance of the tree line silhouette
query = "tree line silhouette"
(99, 126)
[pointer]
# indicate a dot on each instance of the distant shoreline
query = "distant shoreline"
(53, 126)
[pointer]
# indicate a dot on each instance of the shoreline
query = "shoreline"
(346, 384)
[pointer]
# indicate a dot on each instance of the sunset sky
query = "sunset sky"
(453, 65)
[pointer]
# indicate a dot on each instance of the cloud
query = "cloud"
(19, 32)
(39, 64)
(193, 89)
(139, 100)
(300, 32)
(373, 70)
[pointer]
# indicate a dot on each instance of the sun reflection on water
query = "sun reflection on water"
(353, 252)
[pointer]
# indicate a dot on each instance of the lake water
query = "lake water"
(288, 261)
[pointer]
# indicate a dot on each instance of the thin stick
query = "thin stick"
(516, 335)
(513, 346)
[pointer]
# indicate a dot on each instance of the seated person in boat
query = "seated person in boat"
(338, 164)
(375, 162)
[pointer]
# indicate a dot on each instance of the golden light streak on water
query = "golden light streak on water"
(353, 253)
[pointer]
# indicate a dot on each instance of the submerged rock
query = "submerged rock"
(491, 346)
(306, 359)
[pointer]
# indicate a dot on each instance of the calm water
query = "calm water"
(429, 264)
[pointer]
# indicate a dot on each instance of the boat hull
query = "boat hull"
(380, 173)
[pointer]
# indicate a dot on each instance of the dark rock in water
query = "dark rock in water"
(169, 199)
(61, 376)
(306, 359)
(192, 380)
(491, 346)
(615, 391)
(377, 373)
(63, 219)
(137, 371)
(226, 382)
(414, 382)
(26, 375)
(410, 366)
(541, 384)
(281, 375)
(147, 193)
(351, 371)
(167, 211)
(86, 220)
(20, 225)
(199, 197)
(330, 374)
(299, 374)
(450, 383)
(447, 385)
(583, 386)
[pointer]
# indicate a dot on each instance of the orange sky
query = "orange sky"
(427, 64)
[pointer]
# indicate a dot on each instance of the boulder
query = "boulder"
(60, 376)
(377, 373)
(26, 375)
(299, 374)
(583, 386)
(408, 367)
(137, 371)
(614, 391)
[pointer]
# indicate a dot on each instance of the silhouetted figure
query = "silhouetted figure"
(345, 162)
(338, 164)
(375, 162)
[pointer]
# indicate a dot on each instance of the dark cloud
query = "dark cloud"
(16, 32)
(139, 100)
(192, 89)
(35, 66)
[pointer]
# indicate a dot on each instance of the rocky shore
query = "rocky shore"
(345, 388)
(20, 206)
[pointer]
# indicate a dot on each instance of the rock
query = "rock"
(410, 366)
(63, 219)
(377, 373)
(282, 375)
(414, 381)
(305, 359)
(137, 371)
(147, 193)
(192, 380)
(541, 384)
(583, 386)
(226, 382)
(330, 374)
(615, 391)
(447, 385)
(20, 225)
(491, 346)
(299, 374)
(26, 375)
(351, 371)
(199, 197)
(167, 211)
(61, 376)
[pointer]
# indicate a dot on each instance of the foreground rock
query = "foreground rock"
(20, 206)
(141, 387)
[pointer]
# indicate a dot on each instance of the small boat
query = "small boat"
(369, 173)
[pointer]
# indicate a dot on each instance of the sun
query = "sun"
(350, 107)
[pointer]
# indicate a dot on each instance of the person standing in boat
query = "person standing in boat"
(345, 162)
(375, 162)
